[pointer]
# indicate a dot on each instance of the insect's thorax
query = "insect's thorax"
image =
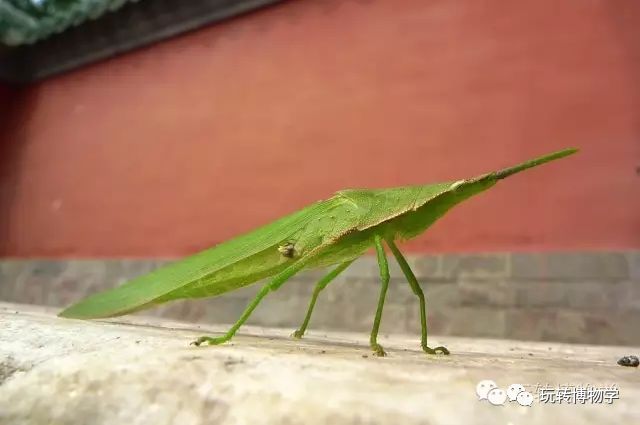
(415, 221)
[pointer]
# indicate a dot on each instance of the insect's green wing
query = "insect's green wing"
(198, 275)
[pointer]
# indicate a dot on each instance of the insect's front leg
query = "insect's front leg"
(384, 280)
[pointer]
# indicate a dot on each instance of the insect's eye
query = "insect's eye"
(287, 250)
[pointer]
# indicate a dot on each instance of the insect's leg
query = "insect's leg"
(415, 286)
(319, 287)
(275, 283)
(384, 280)
(245, 315)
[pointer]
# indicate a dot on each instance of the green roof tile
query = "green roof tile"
(28, 21)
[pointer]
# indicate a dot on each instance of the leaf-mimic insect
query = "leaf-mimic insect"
(333, 232)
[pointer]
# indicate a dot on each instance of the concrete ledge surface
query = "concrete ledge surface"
(143, 371)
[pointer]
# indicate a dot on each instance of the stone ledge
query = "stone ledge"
(143, 371)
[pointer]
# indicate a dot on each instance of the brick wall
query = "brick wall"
(195, 140)
(192, 141)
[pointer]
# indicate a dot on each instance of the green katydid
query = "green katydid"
(332, 232)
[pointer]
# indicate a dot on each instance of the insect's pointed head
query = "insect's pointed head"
(436, 199)
(506, 172)
(509, 171)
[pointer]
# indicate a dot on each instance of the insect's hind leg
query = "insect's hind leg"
(245, 315)
(415, 286)
(384, 280)
(275, 283)
(322, 283)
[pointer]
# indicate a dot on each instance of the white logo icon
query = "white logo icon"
(497, 397)
(525, 398)
(514, 390)
(483, 388)
(488, 390)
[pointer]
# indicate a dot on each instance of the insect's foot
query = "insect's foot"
(198, 341)
(208, 340)
(297, 334)
(437, 350)
(378, 350)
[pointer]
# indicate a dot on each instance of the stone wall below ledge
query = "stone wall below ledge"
(579, 297)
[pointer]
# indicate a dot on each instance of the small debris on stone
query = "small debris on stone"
(323, 351)
(631, 361)
(230, 362)
(364, 356)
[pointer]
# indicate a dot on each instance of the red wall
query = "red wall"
(184, 144)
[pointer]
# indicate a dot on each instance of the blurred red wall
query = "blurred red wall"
(186, 143)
